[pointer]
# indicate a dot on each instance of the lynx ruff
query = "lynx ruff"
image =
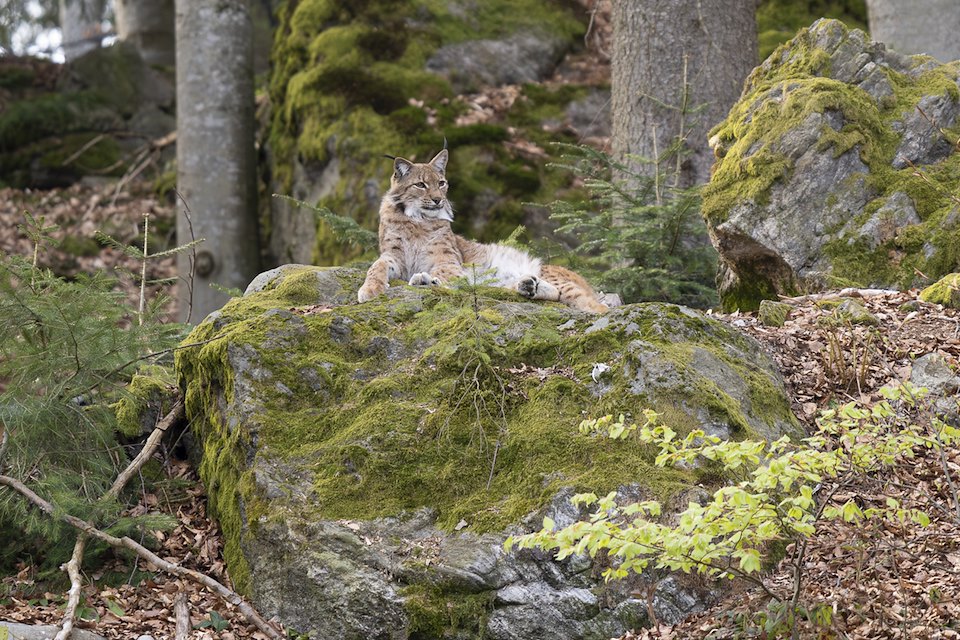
(418, 245)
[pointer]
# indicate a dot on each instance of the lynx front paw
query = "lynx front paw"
(369, 292)
(424, 279)
(528, 286)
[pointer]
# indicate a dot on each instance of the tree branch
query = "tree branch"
(76, 582)
(177, 412)
(224, 592)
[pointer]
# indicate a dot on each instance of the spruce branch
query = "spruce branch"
(344, 228)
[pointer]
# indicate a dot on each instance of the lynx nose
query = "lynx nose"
(437, 200)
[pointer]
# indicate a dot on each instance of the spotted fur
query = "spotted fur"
(418, 245)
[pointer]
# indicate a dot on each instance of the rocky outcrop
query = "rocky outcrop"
(352, 82)
(367, 461)
(835, 169)
(59, 123)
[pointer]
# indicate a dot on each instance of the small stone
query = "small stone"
(849, 311)
(909, 307)
(773, 313)
(946, 291)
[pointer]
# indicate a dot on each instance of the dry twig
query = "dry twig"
(227, 594)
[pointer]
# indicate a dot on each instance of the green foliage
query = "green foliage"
(213, 621)
(640, 235)
(779, 20)
(775, 502)
(66, 352)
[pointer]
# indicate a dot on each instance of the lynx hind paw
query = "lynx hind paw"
(424, 279)
(528, 286)
(367, 293)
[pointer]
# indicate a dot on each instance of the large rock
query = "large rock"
(367, 461)
(354, 81)
(832, 169)
(87, 117)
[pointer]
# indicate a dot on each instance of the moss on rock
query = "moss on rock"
(946, 291)
(463, 401)
(821, 146)
(351, 83)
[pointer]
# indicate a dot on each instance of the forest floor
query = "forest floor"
(873, 580)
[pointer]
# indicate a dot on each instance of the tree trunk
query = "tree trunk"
(662, 46)
(216, 161)
(917, 26)
(80, 26)
(148, 25)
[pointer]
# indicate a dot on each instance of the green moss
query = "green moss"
(781, 94)
(773, 313)
(15, 77)
(458, 421)
(348, 84)
(153, 387)
(946, 291)
(85, 153)
(779, 20)
(434, 613)
(30, 120)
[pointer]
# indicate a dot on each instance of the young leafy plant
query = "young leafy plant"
(775, 501)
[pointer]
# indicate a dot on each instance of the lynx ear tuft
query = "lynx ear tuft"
(439, 161)
(401, 167)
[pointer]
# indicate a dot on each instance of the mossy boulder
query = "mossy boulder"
(945, 291)
(60, 123)
(367, 461)
(836, 168)
(353, 81)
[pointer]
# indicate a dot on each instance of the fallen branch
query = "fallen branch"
(73, 567)
(850, 292)
(76, 582)
(176, 413)
(181, 611)
(227, 594)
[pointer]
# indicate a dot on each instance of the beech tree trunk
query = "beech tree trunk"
(216, 161)
(80, 26)
(659, 48)
(917, 26)
(148, 25)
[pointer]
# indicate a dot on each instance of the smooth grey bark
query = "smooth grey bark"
(658, 47)
(216, 160)
(80, 26)
(148, 25)
(917, 26)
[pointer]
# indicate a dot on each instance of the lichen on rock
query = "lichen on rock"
(834, 169)
(366, 461)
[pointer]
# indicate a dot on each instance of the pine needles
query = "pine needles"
(65, 351)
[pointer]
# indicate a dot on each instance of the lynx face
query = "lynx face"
(420, 190)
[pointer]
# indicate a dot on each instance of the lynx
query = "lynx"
(418, 245)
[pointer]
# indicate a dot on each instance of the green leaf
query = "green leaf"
(114, 608)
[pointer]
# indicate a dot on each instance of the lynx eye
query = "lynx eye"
(443, 183)
(421, 185)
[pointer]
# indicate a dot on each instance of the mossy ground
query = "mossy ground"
(350, 82)
(751, 165)
(464, 401)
